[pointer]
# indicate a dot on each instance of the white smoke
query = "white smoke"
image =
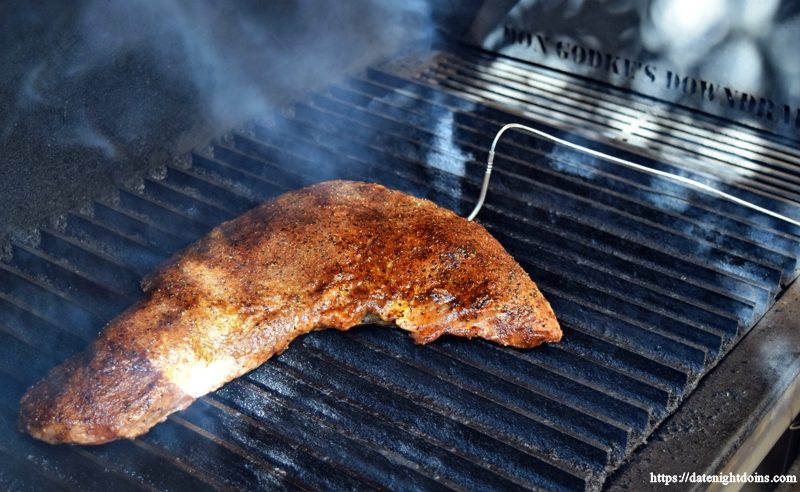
(227, 62)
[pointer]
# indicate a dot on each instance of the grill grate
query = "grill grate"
(653, 283)
(763, 161)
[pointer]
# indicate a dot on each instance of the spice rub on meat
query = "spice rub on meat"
(328, 256)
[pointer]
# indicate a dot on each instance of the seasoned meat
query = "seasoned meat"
(329, 256)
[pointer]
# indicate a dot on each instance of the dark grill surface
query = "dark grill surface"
(652, 282)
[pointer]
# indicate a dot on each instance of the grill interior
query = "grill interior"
(708, 146)
(652, 282)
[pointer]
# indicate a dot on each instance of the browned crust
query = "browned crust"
(327, 256)
(119, 394)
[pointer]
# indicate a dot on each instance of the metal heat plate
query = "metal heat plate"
(652, 282)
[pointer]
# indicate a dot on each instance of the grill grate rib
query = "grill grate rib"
(652, 282)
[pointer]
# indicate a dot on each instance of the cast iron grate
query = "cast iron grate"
(652, 282)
